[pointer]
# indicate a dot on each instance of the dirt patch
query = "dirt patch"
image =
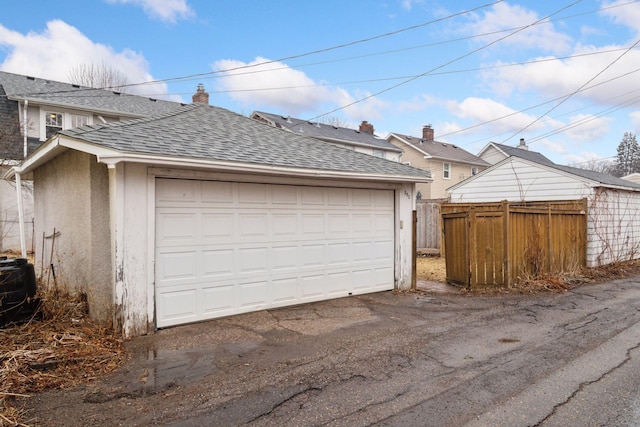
(431, 268)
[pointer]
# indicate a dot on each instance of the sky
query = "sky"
(563, 75)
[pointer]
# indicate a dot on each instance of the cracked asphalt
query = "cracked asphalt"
(387, 359)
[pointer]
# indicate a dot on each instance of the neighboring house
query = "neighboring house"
(32, 110)
(362, 140)
(613, 226)
(494, 153)
(448, 163)
(200, 213)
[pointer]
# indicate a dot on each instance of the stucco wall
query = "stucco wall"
(71, 197)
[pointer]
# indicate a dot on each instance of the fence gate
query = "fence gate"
(456, 226)
(475, 248)
(494, 244)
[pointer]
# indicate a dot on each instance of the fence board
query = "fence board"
(429, 226)
(507, 241)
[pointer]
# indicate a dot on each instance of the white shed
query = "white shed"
(613, 226)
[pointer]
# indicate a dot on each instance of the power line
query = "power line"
(443, 65)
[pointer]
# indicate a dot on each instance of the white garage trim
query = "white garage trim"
(225, 247)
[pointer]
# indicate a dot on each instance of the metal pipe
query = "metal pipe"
(26, 128)
(23, 240)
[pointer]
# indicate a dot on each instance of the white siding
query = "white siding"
(613, 227)
(516, 180)
(492, 155)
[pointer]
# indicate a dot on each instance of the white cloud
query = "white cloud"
(408, 4)
(164, 10)
(587, 127)
(628, 15)
(497, 116)
(266, 84)
(559, 78)
(503, 16)
(52, 53)
(635, 119)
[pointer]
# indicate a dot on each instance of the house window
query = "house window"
(379, 153)
(446, 170)
(53, 123)
(474, 171)
(78, 120)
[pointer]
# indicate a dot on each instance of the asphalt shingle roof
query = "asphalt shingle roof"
(443, 150)
(329, 132)
(74, 96)
(198, 131)
(523, 154)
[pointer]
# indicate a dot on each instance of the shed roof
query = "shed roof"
(508, 150)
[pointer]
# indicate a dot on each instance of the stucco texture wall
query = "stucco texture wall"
(71, 196)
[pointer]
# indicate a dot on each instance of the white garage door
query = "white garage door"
(225, 248)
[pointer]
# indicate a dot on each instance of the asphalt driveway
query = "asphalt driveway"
(381, 359)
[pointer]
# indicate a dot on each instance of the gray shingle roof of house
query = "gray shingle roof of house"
(523, 154)
(74, 96)
(328, 132)
(199, 131)
(443, 150)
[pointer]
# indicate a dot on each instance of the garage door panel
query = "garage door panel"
(253, 294)
(312, 286)
(312, 225)
(179, 305)
(218, 299)
(218, 225)
(284, 225)
(224, 248)
(178, 227)
(284, 290)
(312, 256)
(338, 254)
(218, 262)
(338, 283)
(253, 260)
(217, 192)
(177, 266)
(284, 258)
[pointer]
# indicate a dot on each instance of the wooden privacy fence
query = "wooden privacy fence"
(429, 227)
(495, 244)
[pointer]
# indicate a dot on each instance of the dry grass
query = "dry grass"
(434, 269)
(61, 350)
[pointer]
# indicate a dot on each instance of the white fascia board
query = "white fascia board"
(410, 145)
(111, 159)
(53, 148)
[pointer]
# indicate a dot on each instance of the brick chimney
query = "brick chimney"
(427, 133)
(523, 145)
(366, 127)
(200, 97)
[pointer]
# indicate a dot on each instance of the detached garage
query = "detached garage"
(205, 213)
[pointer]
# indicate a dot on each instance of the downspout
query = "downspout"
(23, 241)
(26, 128)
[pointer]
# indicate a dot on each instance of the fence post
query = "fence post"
(506, 233)
(414, 251)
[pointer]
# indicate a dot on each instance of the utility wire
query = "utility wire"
(443, 65)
